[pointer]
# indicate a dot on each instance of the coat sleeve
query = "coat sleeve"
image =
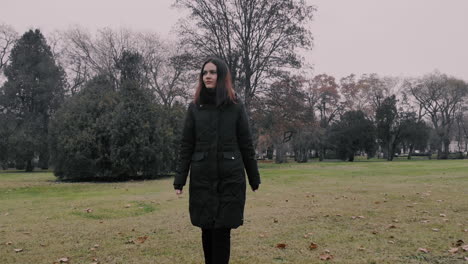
(244, 139)
(187, 143)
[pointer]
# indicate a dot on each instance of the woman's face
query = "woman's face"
(210, 75)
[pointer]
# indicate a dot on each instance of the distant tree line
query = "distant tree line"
(109, 105)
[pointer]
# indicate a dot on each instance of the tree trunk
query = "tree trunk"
(280, 154)
(29, 166)
(410, 151)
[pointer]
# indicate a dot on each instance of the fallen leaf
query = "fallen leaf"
(361, 248)
(391, 242)
(327, 251)
(88, 210)
(96, 245)
(362, 217)
(142, 239)
(128, 205)
(395, 221)
(459, 243)
(262, 235)
(439, 201)
(391, 227)
(435, 229)
(453, 250)
(442, 215)
(326, 257)
(18, 250)
(466, 258)
(63, 260)
(465, 247)
(130, 242)
(313, 246)
(281, 246)
(275, 220)
(8, 243)
(424, 250)
(375, 232)
(425, 221)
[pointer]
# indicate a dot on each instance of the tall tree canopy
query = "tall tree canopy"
(32, 93)
(257, 38)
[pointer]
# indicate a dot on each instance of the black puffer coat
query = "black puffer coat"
(216, 146)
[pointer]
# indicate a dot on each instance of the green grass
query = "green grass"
(361, 212)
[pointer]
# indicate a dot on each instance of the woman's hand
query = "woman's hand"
(178, 192)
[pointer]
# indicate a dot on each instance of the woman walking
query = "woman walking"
(216, 146)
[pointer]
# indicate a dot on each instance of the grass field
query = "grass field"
(361, 212)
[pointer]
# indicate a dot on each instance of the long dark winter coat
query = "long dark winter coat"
(216, 146)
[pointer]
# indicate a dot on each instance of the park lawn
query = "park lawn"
(361, 212)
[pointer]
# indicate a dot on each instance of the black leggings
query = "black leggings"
(216, 245)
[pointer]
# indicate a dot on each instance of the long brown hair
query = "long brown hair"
(224, 91)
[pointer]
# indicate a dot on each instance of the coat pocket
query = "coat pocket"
(198, 156)
(233, 167)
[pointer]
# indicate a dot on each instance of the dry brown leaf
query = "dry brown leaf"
(17, 250)
(275, 220)
(375, 232)
(142, 239)
(362, 217)
(63, 260)
(453, 250)
(459, 243)
(262, 235)
(313, 246)
(391, 242)
(435, 229)
(326, 257)
(424, 250)
(425, 221)
(361, 248)
(130, 242)
(395, 221)
(442, 215)
(8, 243)
(281, 246)
(88, 210)
(466, 258)
(392, 226)
(128, 205)
(465, 247)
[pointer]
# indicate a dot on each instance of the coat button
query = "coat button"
(232, 157)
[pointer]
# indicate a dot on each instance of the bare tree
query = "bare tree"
(440, 96)
(166, 66)
(8, 37)
(257, 38)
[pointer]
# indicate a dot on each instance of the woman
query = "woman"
(216, 145)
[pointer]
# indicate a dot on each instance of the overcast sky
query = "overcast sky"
(388, 37)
